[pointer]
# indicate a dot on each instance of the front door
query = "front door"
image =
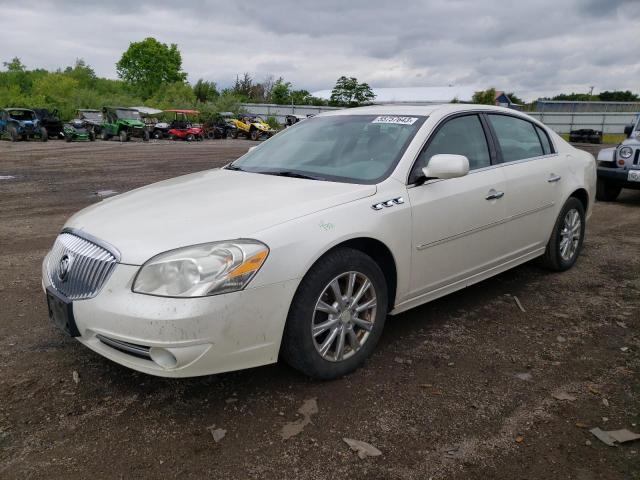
(458, 223)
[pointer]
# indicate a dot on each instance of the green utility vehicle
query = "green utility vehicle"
(123, 123)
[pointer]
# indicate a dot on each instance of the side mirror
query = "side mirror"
(628, 129)
(446, 166)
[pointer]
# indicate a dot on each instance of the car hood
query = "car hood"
(633, 141)
(204, 207)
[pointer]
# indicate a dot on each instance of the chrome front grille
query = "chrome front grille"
(78, 267)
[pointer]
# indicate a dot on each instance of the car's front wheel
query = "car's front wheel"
(566, 239)
(337, 315)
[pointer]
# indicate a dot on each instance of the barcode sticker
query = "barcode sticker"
(396, 120)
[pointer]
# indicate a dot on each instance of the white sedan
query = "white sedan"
(302, 247)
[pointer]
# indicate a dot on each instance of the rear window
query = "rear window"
(517, 138)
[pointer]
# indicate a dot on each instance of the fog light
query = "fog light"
(163, 357)
(621, 162)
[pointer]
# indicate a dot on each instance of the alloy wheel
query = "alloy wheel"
(570, 234)
(344, 316)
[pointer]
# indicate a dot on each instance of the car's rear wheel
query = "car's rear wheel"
(605, 192)
(92, 136)
(13, 134)
(123, 136)
(105, 136)
(234, 134)
(337, 315)
(565, 243)
(190, 137)
(145, 136)
(255, 134)
(44, 135)
(68, 138)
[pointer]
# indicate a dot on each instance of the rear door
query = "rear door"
(457, 223)
(534, 174)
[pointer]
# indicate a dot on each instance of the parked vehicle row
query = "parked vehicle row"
(125, 123)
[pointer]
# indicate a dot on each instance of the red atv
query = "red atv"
(181, 127)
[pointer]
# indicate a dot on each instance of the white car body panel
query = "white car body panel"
(444, 236)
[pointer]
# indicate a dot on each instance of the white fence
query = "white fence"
(561, 122)
(280, 111)
(607, 122)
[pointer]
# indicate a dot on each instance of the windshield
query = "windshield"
(128, 114)
(96, 116)
(347, 148)
(22, 115)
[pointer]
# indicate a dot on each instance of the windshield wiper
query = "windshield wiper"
(289, 173)
(231, 166)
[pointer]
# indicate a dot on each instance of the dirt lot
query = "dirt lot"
(459, 388)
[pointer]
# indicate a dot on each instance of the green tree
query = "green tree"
(349, 93)
(281, 93)
(515, 99)
(205, 91)
(243, 86)
(15, 65)
(485, 97)
(149, 64)
(174, 95)
(81, 72)
(618, 96)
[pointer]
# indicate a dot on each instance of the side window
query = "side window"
(517, 138)
(458, 136)
(544, 138)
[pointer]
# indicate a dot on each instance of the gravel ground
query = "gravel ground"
(459, 388)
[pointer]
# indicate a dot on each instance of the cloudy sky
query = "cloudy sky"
(534, 47)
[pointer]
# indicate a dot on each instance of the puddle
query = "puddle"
(7, 177)
(105, 193)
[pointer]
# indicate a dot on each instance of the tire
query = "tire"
(44, 135)
(553, 258)
(105, 136)
(234, 134)
(92, 136)
(145, 136)
(123, 136)
(605, 192)
(13, 134)
(157, 135)
(211, 135)
(68, 138)
(255, 135)
(302, 349)
(190, 137)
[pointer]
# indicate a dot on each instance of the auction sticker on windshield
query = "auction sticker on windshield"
(397, 120)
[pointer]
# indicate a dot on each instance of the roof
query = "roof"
(148, 110)
(193, 112)
(416, 95)
(422, 110)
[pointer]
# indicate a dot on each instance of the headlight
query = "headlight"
(201, 270)
(626, 152)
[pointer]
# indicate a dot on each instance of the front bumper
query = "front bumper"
(185, 337)
(617, 176)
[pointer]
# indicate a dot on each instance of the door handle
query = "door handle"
(553, 178)
(494, 195)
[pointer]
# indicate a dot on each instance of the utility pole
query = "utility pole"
(591, 91)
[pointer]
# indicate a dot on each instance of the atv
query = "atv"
(51, 121)
(78, 130)
(181, 127)
(123, 123)
(219, 126)
(253, 127)
(21, 124)
(92, 119)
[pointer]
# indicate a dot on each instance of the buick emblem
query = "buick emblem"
(63, 268)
